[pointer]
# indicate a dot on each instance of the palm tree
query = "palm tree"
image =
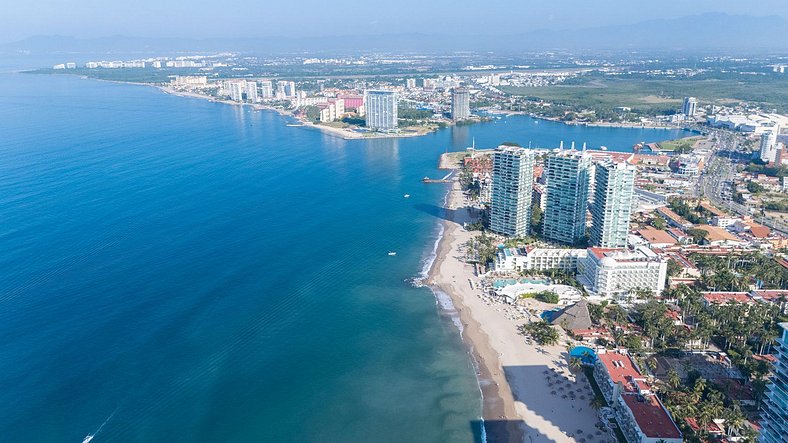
(597, 403)
(674, 381)
(575, 364)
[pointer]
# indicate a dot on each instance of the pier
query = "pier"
(445, 179)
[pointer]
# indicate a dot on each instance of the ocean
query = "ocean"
(173, 269)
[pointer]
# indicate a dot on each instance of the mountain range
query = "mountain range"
(710, 31)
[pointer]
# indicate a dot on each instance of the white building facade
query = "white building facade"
(381, 109)
(614, 191)
(612, 273)
(512, 190)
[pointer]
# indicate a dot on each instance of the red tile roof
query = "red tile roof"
(651, 417)
(621, 370)
(759, 231)
(721, 298)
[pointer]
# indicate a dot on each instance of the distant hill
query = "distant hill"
(715, 31)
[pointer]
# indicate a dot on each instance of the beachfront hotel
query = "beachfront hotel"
(640, 414)
(538, 259)
(774, 420)
(567, 176)
(613, 272)
(381, 109)
(460, 104)
(512, 185)
(614, 192)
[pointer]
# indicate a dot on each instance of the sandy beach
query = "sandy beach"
(529, 393)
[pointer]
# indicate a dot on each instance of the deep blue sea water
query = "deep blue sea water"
(180, 270)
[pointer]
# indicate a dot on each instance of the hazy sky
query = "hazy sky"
(254, 18)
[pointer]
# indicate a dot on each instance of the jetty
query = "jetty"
(445, 179)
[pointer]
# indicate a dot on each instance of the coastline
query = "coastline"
(594, 124)
(518, 404)
(345, 134)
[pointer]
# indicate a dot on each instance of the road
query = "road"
(719, 170)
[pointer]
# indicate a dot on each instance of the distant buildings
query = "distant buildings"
(460, 104)
(381, 109)
(251, 91)
(190, 80)
(690, 106)
(774, 423)
(567, 177)
(512, 184)
(614, 191)
(266, 89)
(612, 272)
(410, 83)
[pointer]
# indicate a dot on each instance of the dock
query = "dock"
(445, 179)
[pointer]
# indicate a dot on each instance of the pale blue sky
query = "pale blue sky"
(255, 18)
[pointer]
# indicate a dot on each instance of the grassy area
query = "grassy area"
(659, 95)
(681, 144)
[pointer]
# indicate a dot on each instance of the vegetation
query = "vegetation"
(776, 205)
(481, 249)
(541, 332)
(732, 273)
(703, 402)
(693, 214)
(543, 296)
(758, 167)
(605, 94)
(754, 187)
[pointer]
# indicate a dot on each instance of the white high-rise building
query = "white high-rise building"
(289, 89)
(410, 83)
(266, 89)
(774, 419)
(251, 91)
(768, 152)
(460, 104)
(690, 106)
(609, 272)
(567, 176)
(512, 190)
(381, 109)
(236, 89)
(614, 192)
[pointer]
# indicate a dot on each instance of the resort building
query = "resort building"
(512, 185)
(567, 177)
(460, 104)
(614, 191)
(640, 414)
(774, 420)
(381, 109)
(538, 259)
(610, 272)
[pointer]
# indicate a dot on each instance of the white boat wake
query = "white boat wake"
(88, 438)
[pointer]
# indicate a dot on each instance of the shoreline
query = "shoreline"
(591, 124)
(345, 134)
(518, 404)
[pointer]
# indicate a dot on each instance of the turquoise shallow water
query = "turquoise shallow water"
(181, 270)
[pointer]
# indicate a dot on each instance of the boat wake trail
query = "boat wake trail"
(88, 438)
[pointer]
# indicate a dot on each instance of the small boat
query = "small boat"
(392, 253)
(603, 148)
(406, 195)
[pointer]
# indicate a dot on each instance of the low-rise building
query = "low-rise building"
(640, 414)
(538, 259)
